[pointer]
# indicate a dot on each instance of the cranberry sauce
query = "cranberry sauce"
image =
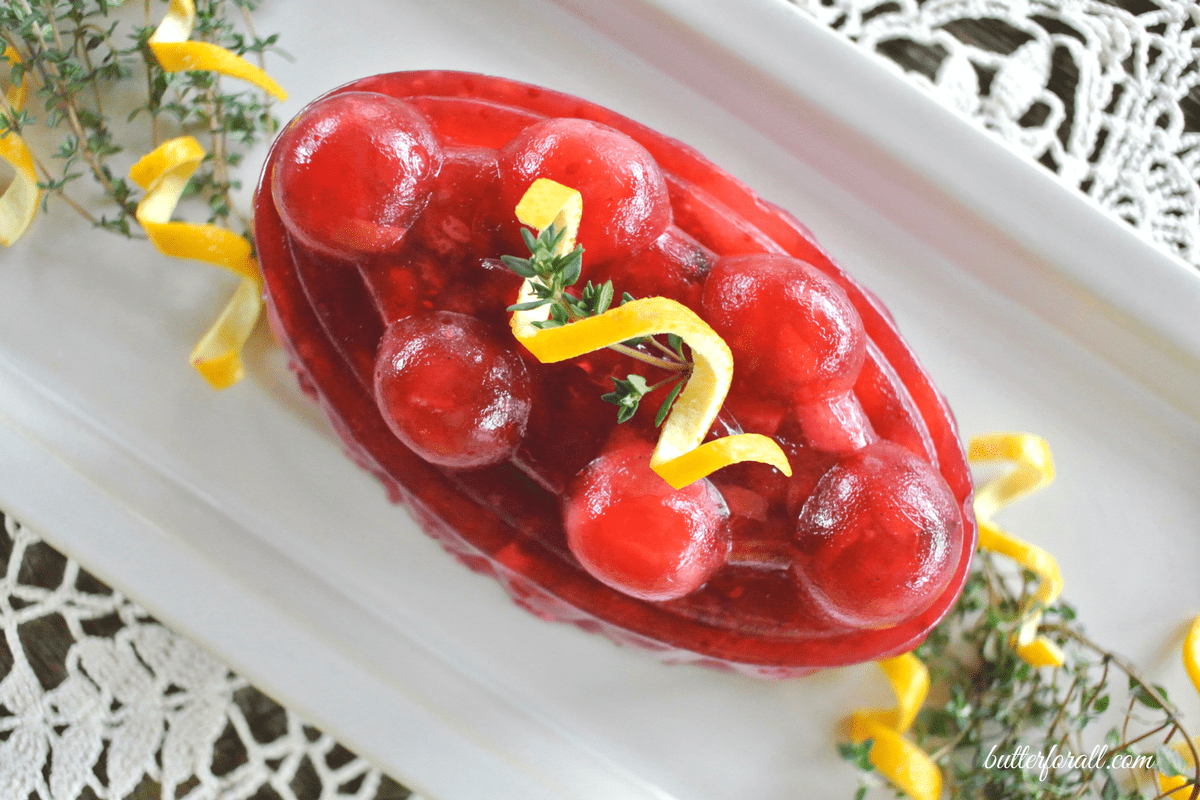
(380, 219)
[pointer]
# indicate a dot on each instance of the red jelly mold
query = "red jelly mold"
(379, 219)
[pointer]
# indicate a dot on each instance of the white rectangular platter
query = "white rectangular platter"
(235, 517)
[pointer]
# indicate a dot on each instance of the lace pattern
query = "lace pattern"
(1101, 92)
(98, 701)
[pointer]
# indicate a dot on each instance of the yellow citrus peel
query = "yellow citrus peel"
(1179, 786)
(1033, 468)
(1191, 653)
(163, 173)
(896, 758)
(679, 458)
(176, 54)
(19, 203)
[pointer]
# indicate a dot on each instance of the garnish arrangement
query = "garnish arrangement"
(551, 275)
(1009, 667)
(1029, 706)
(69, 67)
(551, 326)
(919, 751)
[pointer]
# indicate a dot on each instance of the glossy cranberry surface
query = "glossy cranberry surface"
(451, 391)
(625, 200)
(854, 557)
(632, 532)
(878, 538)
(358, 170)
(792, 330)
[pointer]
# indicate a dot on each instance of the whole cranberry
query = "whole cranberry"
(625, 202)
(450, 390)
(793, 331)
(631, 531)
(879, 537)
(354, 170)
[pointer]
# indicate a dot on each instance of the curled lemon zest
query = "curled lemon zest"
(679, 458)
(1191, 653)
(548, 202)
(163, 173)
(1033, 469)
(19, 203)
(1180, 786)
(176, 54)
(896, 758)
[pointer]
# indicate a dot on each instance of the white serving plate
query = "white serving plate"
(236, 518)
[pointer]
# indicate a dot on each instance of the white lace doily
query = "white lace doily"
(98, 701)
(1102, 92)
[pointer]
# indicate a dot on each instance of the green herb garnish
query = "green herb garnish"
(995, 705)
(100, 92)
(551, 275)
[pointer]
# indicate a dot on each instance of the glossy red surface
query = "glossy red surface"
(347, 207)
(783, 595)
(452, 390)
(631, 531)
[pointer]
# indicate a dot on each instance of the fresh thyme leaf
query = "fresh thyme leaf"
(532, 304)
(573, 267)
(1141, 694)
(521, 266)
(857, 754)
(604, 297)
(627, 396)
(676, 343)
(530, 241)
(1169, 762)
(553, 236)
(665, 408)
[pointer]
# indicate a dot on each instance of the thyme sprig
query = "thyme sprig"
(82, 60)
(992, 704)
(550, 274)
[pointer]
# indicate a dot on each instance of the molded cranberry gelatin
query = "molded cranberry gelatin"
(381, 217)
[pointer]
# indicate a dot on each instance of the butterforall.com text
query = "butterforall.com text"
(1024, 759)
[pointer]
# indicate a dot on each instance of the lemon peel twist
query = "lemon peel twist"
(895, 757)
(164, 173)
(1179, 787)
(681, 456)
(1033, 469)
(175, 53)
(19, 203)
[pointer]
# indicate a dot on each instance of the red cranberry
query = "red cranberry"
(451, 391)
(625, 202)
(354, 170)
(634, 533)
(793, 331)
(672, 266)
(879, 537)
